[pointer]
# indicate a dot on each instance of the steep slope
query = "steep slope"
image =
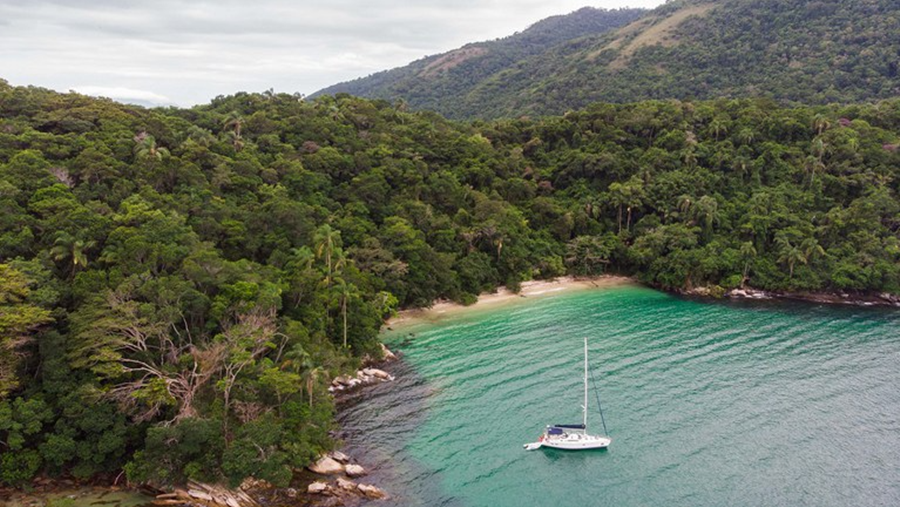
(803, 51)
(436, 81)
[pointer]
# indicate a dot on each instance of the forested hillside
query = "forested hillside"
(178, 285)
(804, 51)
(437, 81)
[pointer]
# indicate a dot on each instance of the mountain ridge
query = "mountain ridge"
(464, 67)
(811, 51)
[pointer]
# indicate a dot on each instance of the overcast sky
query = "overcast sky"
(186, 52)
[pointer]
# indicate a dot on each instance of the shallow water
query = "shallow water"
(708, 404)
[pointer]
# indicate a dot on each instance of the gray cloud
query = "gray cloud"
(187, 52)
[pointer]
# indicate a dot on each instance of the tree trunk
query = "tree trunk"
(620, 219)
(344, 309)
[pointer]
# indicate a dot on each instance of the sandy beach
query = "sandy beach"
(530, 289)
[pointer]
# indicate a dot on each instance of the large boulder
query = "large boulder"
(353, 470)
(326, 466)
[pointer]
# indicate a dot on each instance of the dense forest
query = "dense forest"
(177, 286)
(797, 52)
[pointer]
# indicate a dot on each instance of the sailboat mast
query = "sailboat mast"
(584, 407)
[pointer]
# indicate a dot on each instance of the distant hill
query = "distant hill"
(800, 51)
(436, 81)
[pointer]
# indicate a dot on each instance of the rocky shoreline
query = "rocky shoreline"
(331, 483)
(832, 298)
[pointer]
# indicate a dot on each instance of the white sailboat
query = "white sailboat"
(573, 437)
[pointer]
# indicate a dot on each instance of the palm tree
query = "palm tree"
(234, 122)
(627, 196)
(328, 244)
(821, 123)
(812, 166)
(690, 157)
(707, 211)
(345, 291)
(145, 147)
(66, 246)
(310, 374)
(684, 205)
(818, 148)
(718, 126)
(236, 140)
(812, 249)
(619, 199)
(789, 254)
(748, 253)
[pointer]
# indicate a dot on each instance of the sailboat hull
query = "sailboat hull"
(576, 442)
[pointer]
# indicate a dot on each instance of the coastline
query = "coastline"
(441, 309)
(883, 300)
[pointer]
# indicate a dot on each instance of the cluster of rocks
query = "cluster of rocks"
(364, 377)
(338, 463)
(748, 294)
(890, 298)
(841, 298)
(206, 495)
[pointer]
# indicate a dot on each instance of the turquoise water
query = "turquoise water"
(708, 404)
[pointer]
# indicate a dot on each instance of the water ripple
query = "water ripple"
(708, 405)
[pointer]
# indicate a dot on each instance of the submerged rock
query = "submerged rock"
(371, 491)
(326, 466)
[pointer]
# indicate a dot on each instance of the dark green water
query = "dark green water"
(708, 404)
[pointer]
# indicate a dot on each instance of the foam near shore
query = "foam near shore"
(530, 289)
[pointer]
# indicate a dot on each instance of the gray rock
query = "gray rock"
(371, 491)
(345, 484)
(326, 466)
(317, 487)
(354, 470)
(339, 456)
(388, 355)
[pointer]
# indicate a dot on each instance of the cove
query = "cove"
(708, 404)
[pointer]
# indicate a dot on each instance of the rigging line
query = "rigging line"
(600, 406)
